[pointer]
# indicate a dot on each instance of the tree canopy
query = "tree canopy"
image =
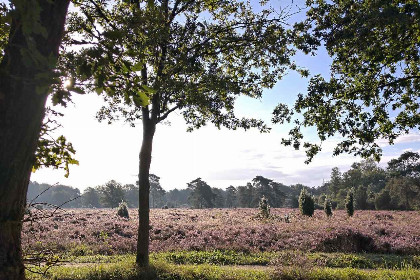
(196, 56)
(374, 86)
(152, 58)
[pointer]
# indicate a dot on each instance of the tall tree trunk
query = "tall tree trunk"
(22, 110)
(149, 128)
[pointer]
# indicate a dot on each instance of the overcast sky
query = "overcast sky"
(220, 157)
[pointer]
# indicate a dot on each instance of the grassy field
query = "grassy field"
(230, 244)
(234, 265)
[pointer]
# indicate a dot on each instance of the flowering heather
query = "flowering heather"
(86, 231)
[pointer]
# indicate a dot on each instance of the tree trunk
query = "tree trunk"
(22, 110)
(149, 128)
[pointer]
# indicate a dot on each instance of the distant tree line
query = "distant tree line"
(198, 194)
(396, 187)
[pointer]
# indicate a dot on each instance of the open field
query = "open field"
(230, 244)
(195, 265)
(86, 231)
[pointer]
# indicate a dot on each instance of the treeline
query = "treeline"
(198, 194)
(396, 187)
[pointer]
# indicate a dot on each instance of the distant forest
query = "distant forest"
(396, 187)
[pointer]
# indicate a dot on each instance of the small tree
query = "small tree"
(123, 210)
(264, 208)
(328, 207)
(306, 203)
(350, 203)
(112, 194)
(153, 58)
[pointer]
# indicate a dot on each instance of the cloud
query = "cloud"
(408, 138)
(245, 174)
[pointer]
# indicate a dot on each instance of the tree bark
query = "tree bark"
(22, 110)
(149, 128)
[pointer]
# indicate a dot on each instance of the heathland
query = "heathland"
(227, 244)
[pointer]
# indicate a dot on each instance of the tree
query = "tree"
(328, 207)
(264, 208)
(152, 58)
(383, 201)
(372, 92)
(91, 198)
(201, 195)
(157, 193)
(230, 197)
(404, 182)
(65, 196)
(177, 198)
(111, 194)
(407, 164)
(361, 198)
(245, 196)
(269, 189)
(335, 181)
(38, 193)
(30, 36)
(350, 203)
(306, 203)
(404, 192)
(219, 197)
(131, 194)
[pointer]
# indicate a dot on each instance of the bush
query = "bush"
(306, 203)
(350, 203)
(123, 210)
(348, 241)
(264, 208)
(328, 207)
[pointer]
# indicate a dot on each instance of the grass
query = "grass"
(284, 258)
(237, 265)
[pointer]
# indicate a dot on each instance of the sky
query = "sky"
(220, 157)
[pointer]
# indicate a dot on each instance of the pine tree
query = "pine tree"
(264, 208)
(350, 203)
(306, 203)
(327, 207)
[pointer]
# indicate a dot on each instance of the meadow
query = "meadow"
(230, 244)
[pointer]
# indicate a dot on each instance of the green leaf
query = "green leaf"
(149, 90)
(137, 67)
(141, 99)
(99, 90)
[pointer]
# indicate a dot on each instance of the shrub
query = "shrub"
(328, 207)
(347, 241)
(306, 203)
(123, 210)
(350, 203)
(264, 208)
(296, 264)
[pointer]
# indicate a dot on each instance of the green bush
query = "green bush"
(328, 207)
(123, 210)
(350, 203)
(306, 203)
(264, 208)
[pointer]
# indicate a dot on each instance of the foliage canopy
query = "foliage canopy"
(374, 87)
(153, 58)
